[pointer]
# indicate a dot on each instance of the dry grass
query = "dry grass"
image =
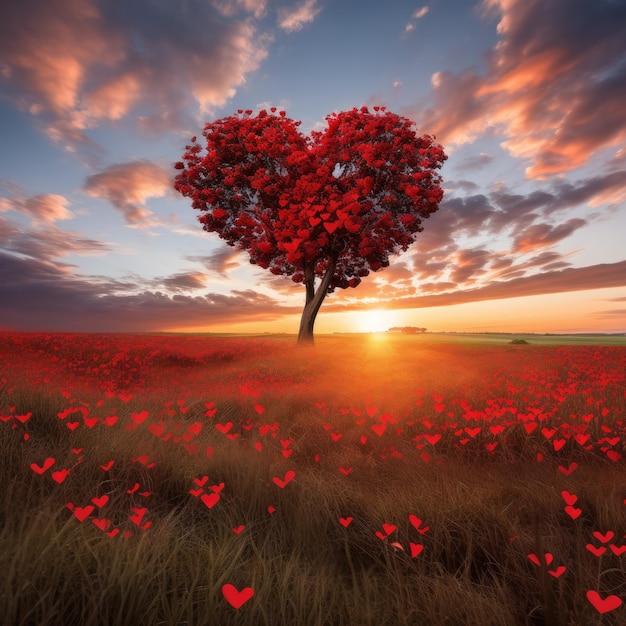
(486, 512)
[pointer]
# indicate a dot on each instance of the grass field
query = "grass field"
(423, 480)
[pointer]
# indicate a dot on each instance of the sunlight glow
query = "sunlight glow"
(374, 321)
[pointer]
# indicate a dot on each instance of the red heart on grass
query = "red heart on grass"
(282, 483)
(597, 551)
(558, 571)
(236, 598)
(210, 499)
(601, 605)
(603, 538)
(101, 501)
(40, 469)
(416, 549)
(569, 498)
(82, 513)
(573, 512)
(417, 522)
(345, 521)
(60, 475)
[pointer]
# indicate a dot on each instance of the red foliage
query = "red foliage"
(334, 205)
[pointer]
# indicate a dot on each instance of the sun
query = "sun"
(374, 320)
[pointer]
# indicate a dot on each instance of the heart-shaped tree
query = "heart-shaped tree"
(332, 206)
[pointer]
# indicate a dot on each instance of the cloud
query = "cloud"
(76, 64)
(222, 261)
(46, 207)
(127, 186)
(229, 8)
(87, 304)
(554, 85)
(184, 281)
(544, 235)
(49, 243)
(418, 14)
(292, 19)
(605, 275)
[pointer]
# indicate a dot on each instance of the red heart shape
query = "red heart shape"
(40, 469)
(101, 501)
(345, 521)
(416, 549)
(569, 498)
(210, 499)
(236, 598)
(82, 513)
(60, 475)
(601, 605)
(282, 483)
(573, 512)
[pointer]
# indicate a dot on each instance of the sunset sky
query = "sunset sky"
(98, 99)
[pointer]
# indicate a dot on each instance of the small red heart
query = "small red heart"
(210, 499)
(568, 470)
(101, 501)
(140, 417)
(560, 570)
(82, 513)
(106, 467)
(597, 551)
(573, 512)
(60, 475)
(345, 521)
(416, 549)
(617, 551)
(102, 524)
(236, 598)
(201, 481)
(416, 523)
(601, 605)
(604, 538)
(282, 483)
(40, 469)
(239, 529)
(569, 498)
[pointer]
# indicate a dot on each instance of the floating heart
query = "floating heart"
(345, 521)
(236, 598)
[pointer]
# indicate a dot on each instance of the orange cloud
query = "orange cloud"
(293, 19)
(554, 85)
(45, 207)
(571, 279)
(128, 185)
(78, 63)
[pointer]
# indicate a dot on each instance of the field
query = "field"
(383, 480)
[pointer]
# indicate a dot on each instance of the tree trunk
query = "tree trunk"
(314, 299)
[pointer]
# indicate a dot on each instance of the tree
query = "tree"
(330, 207)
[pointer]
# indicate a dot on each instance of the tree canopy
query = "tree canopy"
(331, 206)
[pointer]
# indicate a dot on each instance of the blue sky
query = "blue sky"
(97, 101)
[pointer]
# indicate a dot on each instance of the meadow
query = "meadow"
(383, 480)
